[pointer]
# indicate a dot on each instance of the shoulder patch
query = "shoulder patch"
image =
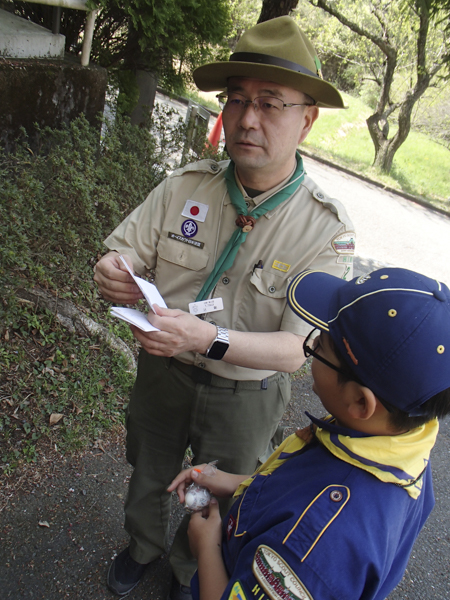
(276, 577)
(344, 243)
(237, 593)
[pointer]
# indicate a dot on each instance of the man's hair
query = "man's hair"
(438, 406)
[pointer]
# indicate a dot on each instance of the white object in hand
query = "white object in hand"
(196, 498)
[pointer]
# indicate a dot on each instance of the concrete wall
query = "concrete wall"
(47, 92)
(20, 38)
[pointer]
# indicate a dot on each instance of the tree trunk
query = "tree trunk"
(147, 83)
(276, 8)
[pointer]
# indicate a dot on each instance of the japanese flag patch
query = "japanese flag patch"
(195, 210)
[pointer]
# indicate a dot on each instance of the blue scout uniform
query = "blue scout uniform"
(321, 521)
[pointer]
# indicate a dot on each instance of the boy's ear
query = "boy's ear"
(362, 402)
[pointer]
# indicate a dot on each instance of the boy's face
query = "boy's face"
(326, 384)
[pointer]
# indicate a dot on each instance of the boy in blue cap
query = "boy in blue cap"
(335, 511)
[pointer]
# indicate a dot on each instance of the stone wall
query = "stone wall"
(47, 92)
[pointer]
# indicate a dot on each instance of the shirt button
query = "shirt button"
(212, 322)
(272, 289)
(202, 365)
(320, 195)
(214, 167)
(336, 495)
(225, 280)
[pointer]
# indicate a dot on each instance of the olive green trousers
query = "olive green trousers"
(174, 406)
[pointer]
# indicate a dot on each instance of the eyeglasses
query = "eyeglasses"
(308, 351)
(237, 103)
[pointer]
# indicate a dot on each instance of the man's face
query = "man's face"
(263, 148)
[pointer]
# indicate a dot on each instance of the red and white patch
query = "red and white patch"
(231, 526)
(195, 210)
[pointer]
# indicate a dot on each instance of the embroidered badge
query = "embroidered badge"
(344, 243)
(276, 577)
(231, 525)
(180, 238)
(237, 593)
(195, 210)
(189, 228)
(280, 266)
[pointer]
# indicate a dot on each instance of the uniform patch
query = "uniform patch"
(345, 259)
(180, 238)
(189, 228)
(276, 577)
(237, 593)
(231, 525)
(195, 210)
(344, 243)
(280, 266)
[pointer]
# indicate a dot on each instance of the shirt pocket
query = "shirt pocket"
(182, 254)
(263, 303)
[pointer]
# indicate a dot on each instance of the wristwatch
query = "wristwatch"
(219, 345)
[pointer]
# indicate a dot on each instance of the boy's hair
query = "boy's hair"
(437, 407)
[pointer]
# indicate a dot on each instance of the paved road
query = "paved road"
(389, 228)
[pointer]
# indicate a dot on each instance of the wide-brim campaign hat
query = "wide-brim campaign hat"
(392, 328)
(278, 51)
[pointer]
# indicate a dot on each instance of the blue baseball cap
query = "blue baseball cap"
(392, 328)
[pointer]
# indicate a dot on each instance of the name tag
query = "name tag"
(205, 306)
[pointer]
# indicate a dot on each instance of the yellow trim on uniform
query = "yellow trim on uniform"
(329, 522)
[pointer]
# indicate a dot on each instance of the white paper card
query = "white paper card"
(205, 306)
(150, 291)
(134, 317)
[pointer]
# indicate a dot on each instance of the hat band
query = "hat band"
(266, 59)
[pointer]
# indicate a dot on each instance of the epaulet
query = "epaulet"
(201, 166)
(335, 206)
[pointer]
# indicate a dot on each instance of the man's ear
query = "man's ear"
(362, 402)
(311, 114)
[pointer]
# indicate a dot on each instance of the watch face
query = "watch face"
(217, 350)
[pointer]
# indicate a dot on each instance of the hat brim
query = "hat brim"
(214, 76)
(309, 296)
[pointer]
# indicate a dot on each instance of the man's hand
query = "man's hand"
(205, 531)
(179, 332)
(114, 281)
(220, 484)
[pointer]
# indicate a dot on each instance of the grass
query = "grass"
(421, 166)
(60, 392)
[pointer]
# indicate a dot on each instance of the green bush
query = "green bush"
(58, 203)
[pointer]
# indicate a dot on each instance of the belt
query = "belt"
(206, 378)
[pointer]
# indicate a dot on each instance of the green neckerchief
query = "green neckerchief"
(227, 257)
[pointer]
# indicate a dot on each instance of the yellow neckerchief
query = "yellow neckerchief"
(399, 459)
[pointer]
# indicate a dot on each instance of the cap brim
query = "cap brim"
(214, 76)
(309, 296)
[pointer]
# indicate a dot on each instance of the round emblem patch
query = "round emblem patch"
(189, 228)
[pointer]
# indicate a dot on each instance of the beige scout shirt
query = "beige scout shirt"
(309, 230)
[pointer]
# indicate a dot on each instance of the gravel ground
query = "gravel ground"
(60, 531)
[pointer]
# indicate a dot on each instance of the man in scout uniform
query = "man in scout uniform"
(224, 240)
(335, 511)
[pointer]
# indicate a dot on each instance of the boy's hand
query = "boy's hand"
(205, 531)
(221, 484)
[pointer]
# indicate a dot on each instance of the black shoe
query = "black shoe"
(124, 573)
(178, 591)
